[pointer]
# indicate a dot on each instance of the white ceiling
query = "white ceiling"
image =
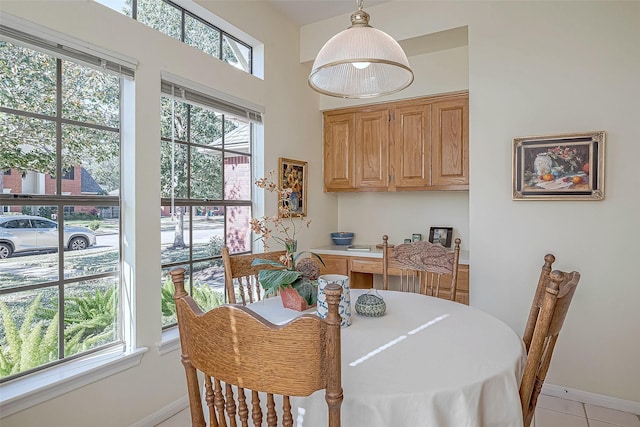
(304, 12)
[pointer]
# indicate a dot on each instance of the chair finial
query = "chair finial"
(177, 277)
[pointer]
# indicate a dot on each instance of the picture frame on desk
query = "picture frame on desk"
(441, 235)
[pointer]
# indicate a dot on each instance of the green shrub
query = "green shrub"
(215, 245)
(94, 225)
(204, 295)
(33, 344)
(90, 320)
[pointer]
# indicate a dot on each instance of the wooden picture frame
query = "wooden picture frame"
(441, 235)
(559, 167)
(293, 174)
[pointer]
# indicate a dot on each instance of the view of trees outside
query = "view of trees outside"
(206, 196)
(53, 153)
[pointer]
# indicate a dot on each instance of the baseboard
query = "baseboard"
(163, 414)
(592, 398)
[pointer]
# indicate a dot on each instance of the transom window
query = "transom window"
(179, 23)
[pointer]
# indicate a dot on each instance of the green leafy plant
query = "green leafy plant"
(282, 228)
(33, 344)
(205, 296)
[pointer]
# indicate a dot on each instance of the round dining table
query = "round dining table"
(426, 362)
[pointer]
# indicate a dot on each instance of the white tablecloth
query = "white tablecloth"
(426, 362)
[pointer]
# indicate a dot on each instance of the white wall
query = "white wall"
(540, 68)
(292, 129)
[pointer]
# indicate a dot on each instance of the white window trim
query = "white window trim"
(32, 390)
(170, 341)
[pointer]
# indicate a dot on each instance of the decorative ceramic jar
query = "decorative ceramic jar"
(542, 164)
(345, 298)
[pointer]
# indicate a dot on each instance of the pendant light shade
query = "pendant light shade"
(360, 62)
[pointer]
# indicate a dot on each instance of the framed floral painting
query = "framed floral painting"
(292, 174)
(559, 167)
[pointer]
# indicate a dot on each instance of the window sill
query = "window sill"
(34, 389)
(170, 341)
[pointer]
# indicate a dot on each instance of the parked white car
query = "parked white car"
(25, 233)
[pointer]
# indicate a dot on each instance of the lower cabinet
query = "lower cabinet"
(362, 269)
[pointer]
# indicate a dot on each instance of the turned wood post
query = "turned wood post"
(454, 275)
(333, 395)
(531, 370)
(177, 277)
(385, 262)
(537, 300)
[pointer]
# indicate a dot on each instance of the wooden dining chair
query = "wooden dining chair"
(423, 267)
(548, 311)
(242, 278)
(237, 350)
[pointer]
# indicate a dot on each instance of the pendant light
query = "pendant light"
(360, 62)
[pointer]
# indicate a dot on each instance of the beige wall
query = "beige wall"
(539, 68)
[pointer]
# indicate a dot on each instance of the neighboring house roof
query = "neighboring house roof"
(88, 184)
(238, 139)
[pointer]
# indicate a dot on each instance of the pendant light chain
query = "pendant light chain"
(360, 4)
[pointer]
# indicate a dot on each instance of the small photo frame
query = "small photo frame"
(441, 235)
(559, 167)
(293, 174)
(416, 237)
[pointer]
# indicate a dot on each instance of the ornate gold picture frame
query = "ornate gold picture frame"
(559, 167)
(293, 174)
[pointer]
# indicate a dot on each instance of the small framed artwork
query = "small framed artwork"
(416, 237)
(441, 235)
(293, 174)
(559, 167)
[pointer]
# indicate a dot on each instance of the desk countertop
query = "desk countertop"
(373, 253)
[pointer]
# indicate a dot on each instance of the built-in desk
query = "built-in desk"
(360, 266)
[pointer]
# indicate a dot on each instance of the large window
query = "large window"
(59, 226)
(206, 164)
(177, 22)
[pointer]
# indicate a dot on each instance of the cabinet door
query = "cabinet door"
(450, 143)
(339, 154)
(411, 146)
(334, 264)
(372, 150)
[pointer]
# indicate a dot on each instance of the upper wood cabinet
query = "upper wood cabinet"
(339, 151)
(419, 144)
(450, 143)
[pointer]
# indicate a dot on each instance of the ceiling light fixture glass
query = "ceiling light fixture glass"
(360, 62)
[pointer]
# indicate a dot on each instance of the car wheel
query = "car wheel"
(78, 243)
(5, 250)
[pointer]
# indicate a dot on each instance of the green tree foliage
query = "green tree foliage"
(28, 84)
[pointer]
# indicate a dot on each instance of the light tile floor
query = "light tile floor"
(550, 412)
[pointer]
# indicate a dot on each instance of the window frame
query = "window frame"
(215, 204)
(63, 202)
(222, 33)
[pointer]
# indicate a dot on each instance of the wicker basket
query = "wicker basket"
(370, 304)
